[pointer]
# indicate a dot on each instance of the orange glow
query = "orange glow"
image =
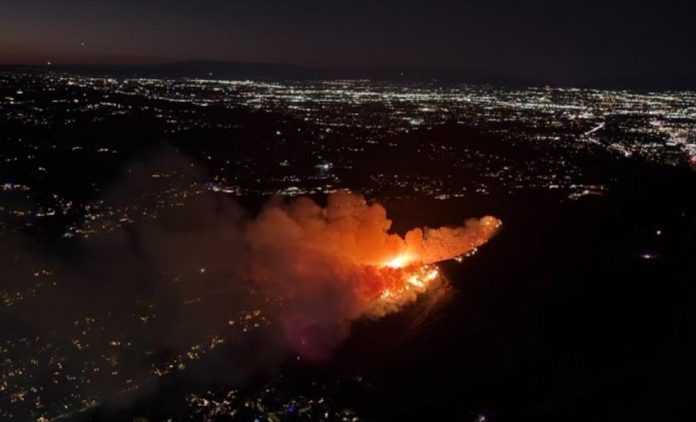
(399, 261)
(338, 263)
(408, 283)
(408, 278)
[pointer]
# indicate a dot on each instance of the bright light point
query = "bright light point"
(398, 262)
(432, 275)
(414, 280)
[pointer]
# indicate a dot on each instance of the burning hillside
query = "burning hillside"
(335, 264)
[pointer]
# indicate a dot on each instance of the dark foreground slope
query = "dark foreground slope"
(578, 310)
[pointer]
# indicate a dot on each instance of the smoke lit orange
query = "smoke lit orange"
(339, 263)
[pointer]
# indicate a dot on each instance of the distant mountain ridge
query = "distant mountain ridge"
(282, 71)
(227, 70)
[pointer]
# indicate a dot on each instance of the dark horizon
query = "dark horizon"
(231, 70)
(570, 44)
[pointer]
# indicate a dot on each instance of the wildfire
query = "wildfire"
(399, 261)
(340, 262)
(410, 280)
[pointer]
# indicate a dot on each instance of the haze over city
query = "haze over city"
(357, 211)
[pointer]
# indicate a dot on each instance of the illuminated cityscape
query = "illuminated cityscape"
(347, 211)
(328, 133)
(321, 136)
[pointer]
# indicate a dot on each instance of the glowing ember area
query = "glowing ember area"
(398, 262)
(412, 279)
(335, 264)
(412, 282)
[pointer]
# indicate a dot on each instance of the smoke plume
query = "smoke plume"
(332, 265)
(168, 277)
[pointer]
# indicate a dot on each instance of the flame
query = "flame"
(410, 282)
(338, 263)
(398, 261)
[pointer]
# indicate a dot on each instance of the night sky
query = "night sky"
(555, 41)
